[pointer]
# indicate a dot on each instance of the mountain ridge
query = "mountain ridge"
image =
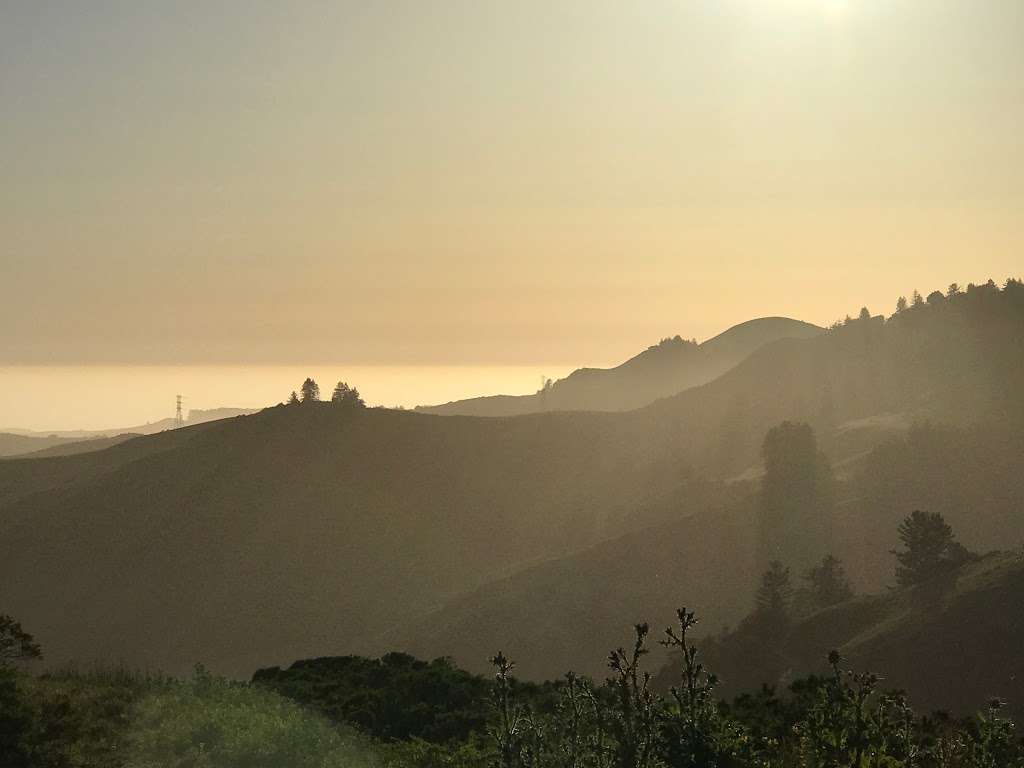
(661, 370)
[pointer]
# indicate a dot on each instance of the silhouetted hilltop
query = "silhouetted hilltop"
(659, 371)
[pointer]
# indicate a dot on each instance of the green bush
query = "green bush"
(209, 722)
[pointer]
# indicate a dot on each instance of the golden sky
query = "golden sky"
(471, 181)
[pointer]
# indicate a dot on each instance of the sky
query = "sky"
(470, 182)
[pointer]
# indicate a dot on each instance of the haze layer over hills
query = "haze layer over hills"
(659, 371)
(312, 529)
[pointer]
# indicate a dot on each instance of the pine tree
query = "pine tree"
(775, 594)
(929, 548)
(310, 391)
(828, 583)
(347, 396)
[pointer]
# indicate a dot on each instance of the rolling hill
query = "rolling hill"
(15, 445)
(951, 644)
(659, 371)
(312, 529)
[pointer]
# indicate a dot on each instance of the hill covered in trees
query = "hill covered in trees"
(949, 641)
(664, 369)
(310, 529)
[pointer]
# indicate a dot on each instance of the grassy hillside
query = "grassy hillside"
(564, 614)
(661, 370)
(302, 529)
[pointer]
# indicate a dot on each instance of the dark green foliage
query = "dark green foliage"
(394, 697)
(15, 643)
(929, 549)
(15, 721)
(842, 719)
(82, 720)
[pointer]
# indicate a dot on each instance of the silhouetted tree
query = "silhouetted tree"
(775, 594)
(935, 298)
(828, 583)
(347, 396)
(953, 290)
(916, 299)
(15, 643)
(310, 391)
(901, 304)
(293, 399)
(865, 315)
(929, 548)
(797, 497)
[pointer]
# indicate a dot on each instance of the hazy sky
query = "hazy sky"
(490, 182)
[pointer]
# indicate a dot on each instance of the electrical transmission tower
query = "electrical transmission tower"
(179, 419)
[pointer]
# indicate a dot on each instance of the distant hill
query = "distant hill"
(14, 444)
(73, 447)
(659, 371)
(952, 644)
(309, 530)
(195, 416)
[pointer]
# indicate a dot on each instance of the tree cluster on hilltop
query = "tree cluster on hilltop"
(343, 395)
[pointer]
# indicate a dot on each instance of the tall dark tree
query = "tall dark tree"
(310, 391)
(797, 497)
(828, 583)
(293, 399)
(929, 548)
(773, 604)
(901, 304)
(775, 595)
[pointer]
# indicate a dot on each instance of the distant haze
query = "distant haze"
(115, 397)
(485, 182)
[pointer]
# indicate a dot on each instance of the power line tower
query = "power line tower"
(179, 419)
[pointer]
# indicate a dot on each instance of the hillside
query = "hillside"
(951, 644)
(310, 530)
(14, 445)
(659, 371)
(72, 446)
(566, 613)
(304, 530)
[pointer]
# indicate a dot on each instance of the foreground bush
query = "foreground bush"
(210, 722)
(842, 719)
